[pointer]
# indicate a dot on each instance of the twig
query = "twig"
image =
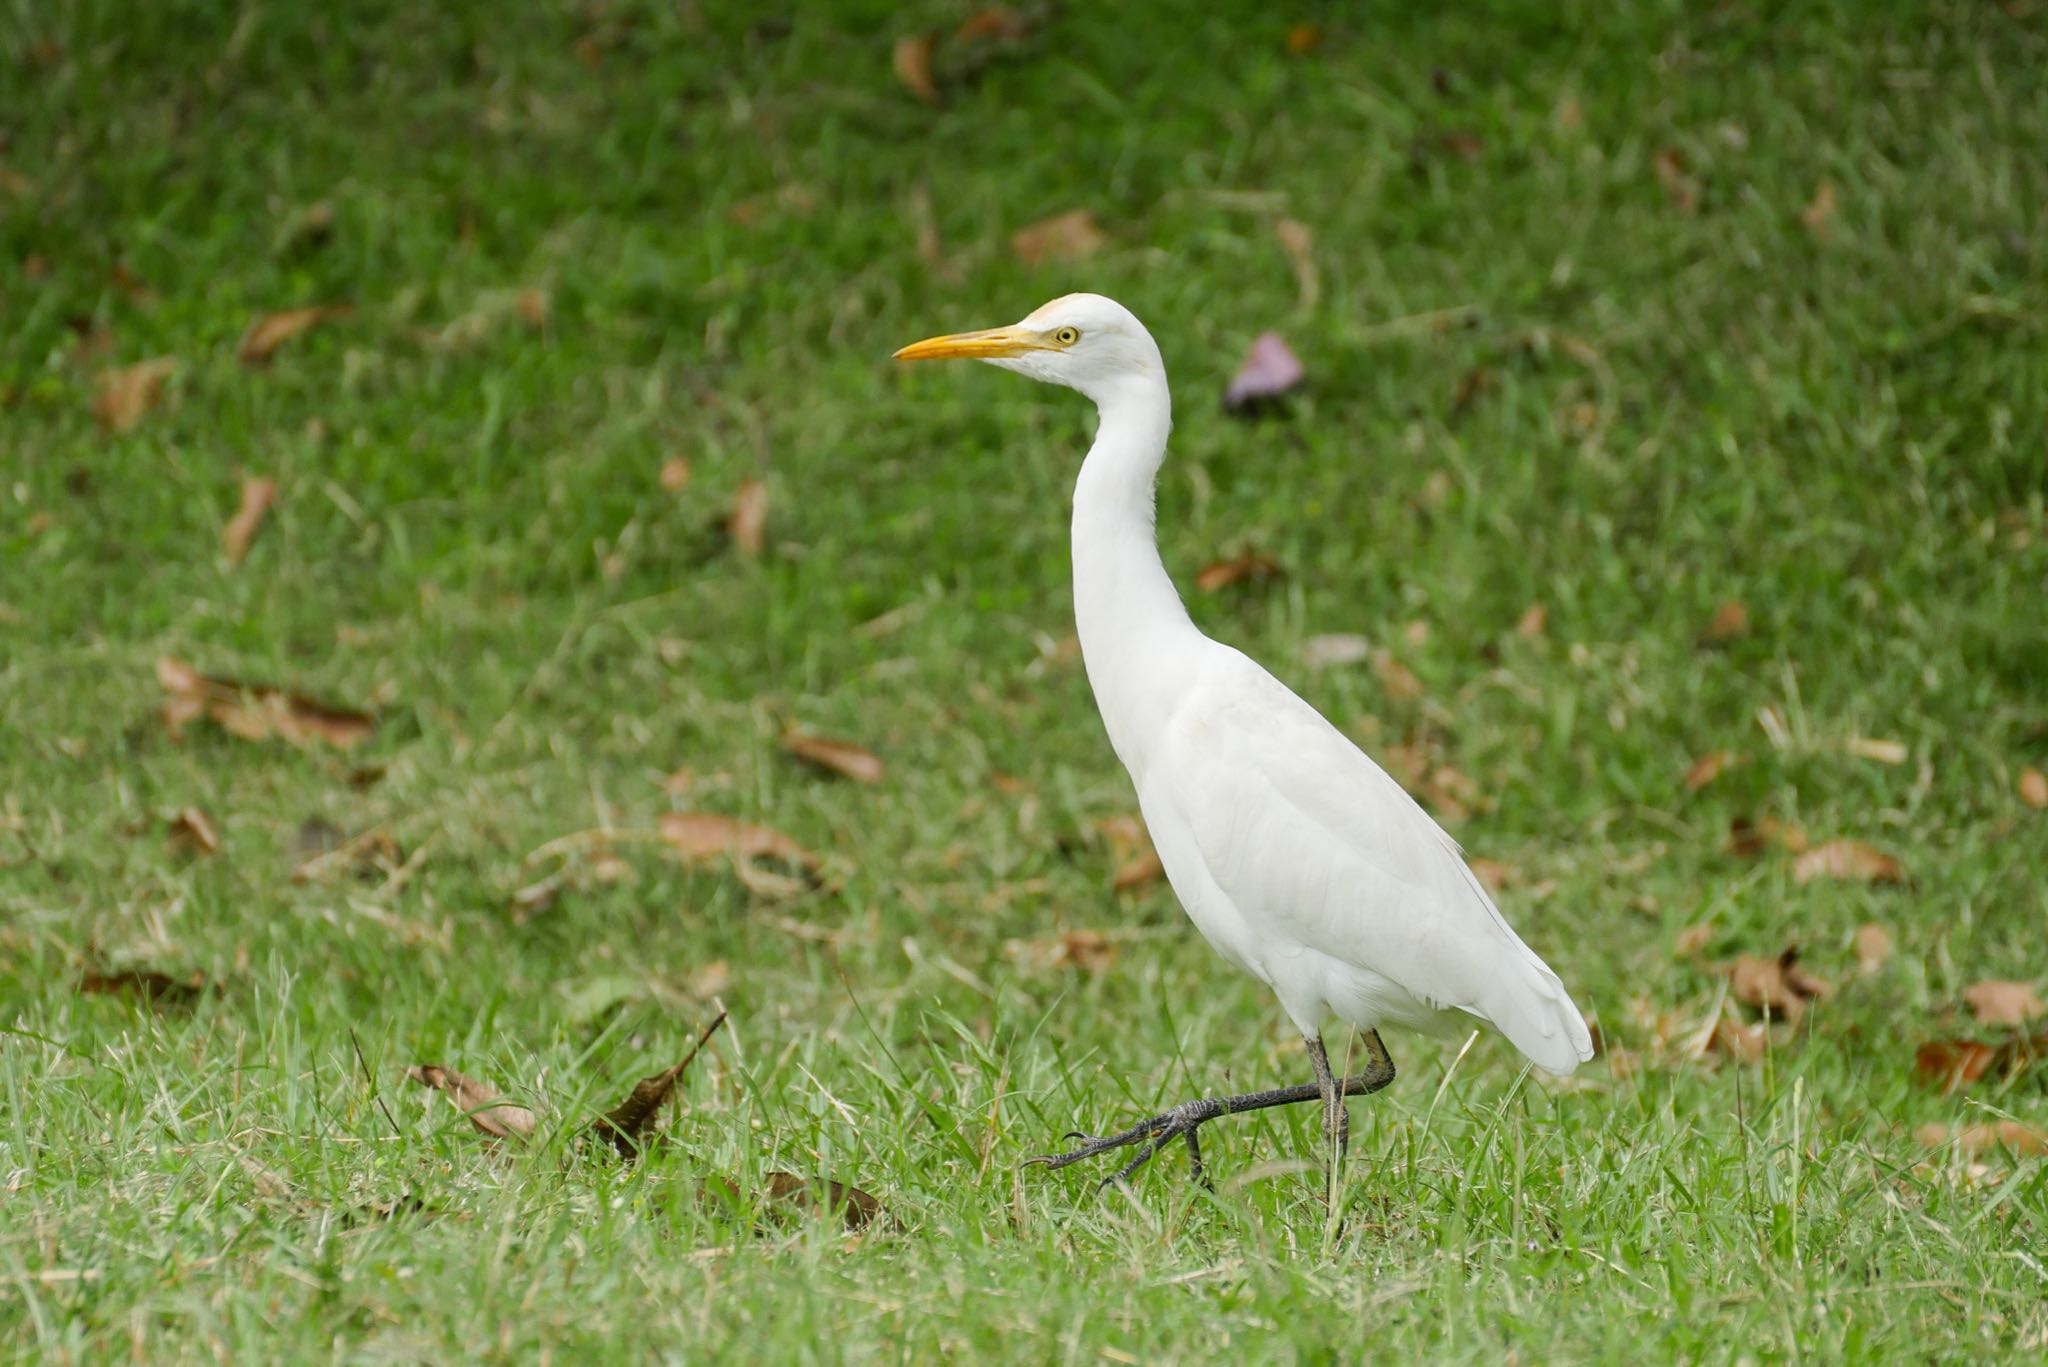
(371, 1078)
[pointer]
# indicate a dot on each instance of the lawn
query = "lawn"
(1677, 388)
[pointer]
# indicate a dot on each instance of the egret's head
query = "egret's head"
(1082, 341)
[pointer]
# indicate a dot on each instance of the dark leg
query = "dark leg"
(1183, 1120)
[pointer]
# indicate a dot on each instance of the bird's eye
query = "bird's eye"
(1067, 336)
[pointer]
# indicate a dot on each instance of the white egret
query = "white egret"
(1299, 859)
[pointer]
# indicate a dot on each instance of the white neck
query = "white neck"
(1129, 617)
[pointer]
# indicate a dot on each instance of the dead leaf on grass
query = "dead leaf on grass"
(1130, 850)
(2003, 1002)
(255, 711)
(675, 474)
(158, 989)
(258, 493)
(1491, 872)
(706, 837)
(1849, 861)
(625, 1126)
(486, 1109)
(1270, 369)
(272, 330)
(1749, 838)
(1873, 947)
(856, 1207)
(1533, 622)
(2033, 788)
(1296, 241)
(1778, 987)
(748, 518)
(1730, 620)
(834, 756)
(1396, 679)
(912, 58)
(1705, 770)
(1679, 186)
(1247, 566)
(192, 831)
(1071, 236)
(125, 394)
(1303, 39)
(1739, 1042)
(1082, 950)
(1984, 1136)
(1692, 940)
(1819, 210)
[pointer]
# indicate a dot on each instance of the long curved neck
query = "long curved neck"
(1127, 613)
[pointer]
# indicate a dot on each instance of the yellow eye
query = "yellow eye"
(1067, 336)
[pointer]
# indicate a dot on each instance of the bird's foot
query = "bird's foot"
(1181, 1122)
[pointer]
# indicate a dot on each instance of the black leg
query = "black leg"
(1184, 1120)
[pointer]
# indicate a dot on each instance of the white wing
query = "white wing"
(1317, 847)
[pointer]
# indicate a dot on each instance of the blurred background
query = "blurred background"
(471, 574)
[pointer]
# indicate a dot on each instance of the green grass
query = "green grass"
(1843, 428)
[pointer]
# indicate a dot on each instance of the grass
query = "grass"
(1838, 424)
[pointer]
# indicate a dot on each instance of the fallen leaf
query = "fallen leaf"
(1138, 871)
(273, 330)
(1342, 648)
(1873, 947)
(158, 989)
(255, 711)
(1533, 622)
(533, 306)
(485, 1108)
(856, 1207)
(912, 58)
(1679, 187)
(1396, 679)
(1882, 751)
(1569, 116)
(1705, 770)
(701, 837)
(1848, 860)
(1984, 1136)
(625, 1125)
(1296, 241)
(1246, 566)
(1777, 987)
(1491, 872)
(1465, 146)
(2033, 788)
(1089, 949)
(1740, 1042)
(1730, 620)
(675, 474)
(1750, 838)
(1819, 209)
(1952, 1064)
(834, 756)
(192, 830)
(127, 393)
(258, 493)
(1269, 370)
(996, 24)
(1070, 236)
(748, 518)
(1303, 39)
(1692, 939)
(1998, 1002)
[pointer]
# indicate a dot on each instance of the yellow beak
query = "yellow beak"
(1009, 341)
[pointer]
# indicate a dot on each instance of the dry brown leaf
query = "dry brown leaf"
(1085, 949)
(192, 831)
(533, 306)
(1984, 1136)
(912, 58)
(704, 836)
(1680, 187)
(273, 330)
(1138, 871)
(158, 989)
(2002, 1002)
(1296, 241)
(1303, 39)
(675, 474)
(1244, 567)
(1705, 770)
(1820, 209)
(625, 1126)
(1777, 987)
(1396, 679)
(1730, 620)
(1533, 622)
(1873, 947)
(834, 756)
(486, 1109)
(992, 25)
(1739, 1042)
(256, 711)
(1693, 939)
(1070, 236)
(856, 1207)
(1952, 1064)
(2033, 788)
(1882, 751)
(125, 394)
(1494, 874)
(748, 518)
(1749, 838)
(1847, 860)
(258, 493)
